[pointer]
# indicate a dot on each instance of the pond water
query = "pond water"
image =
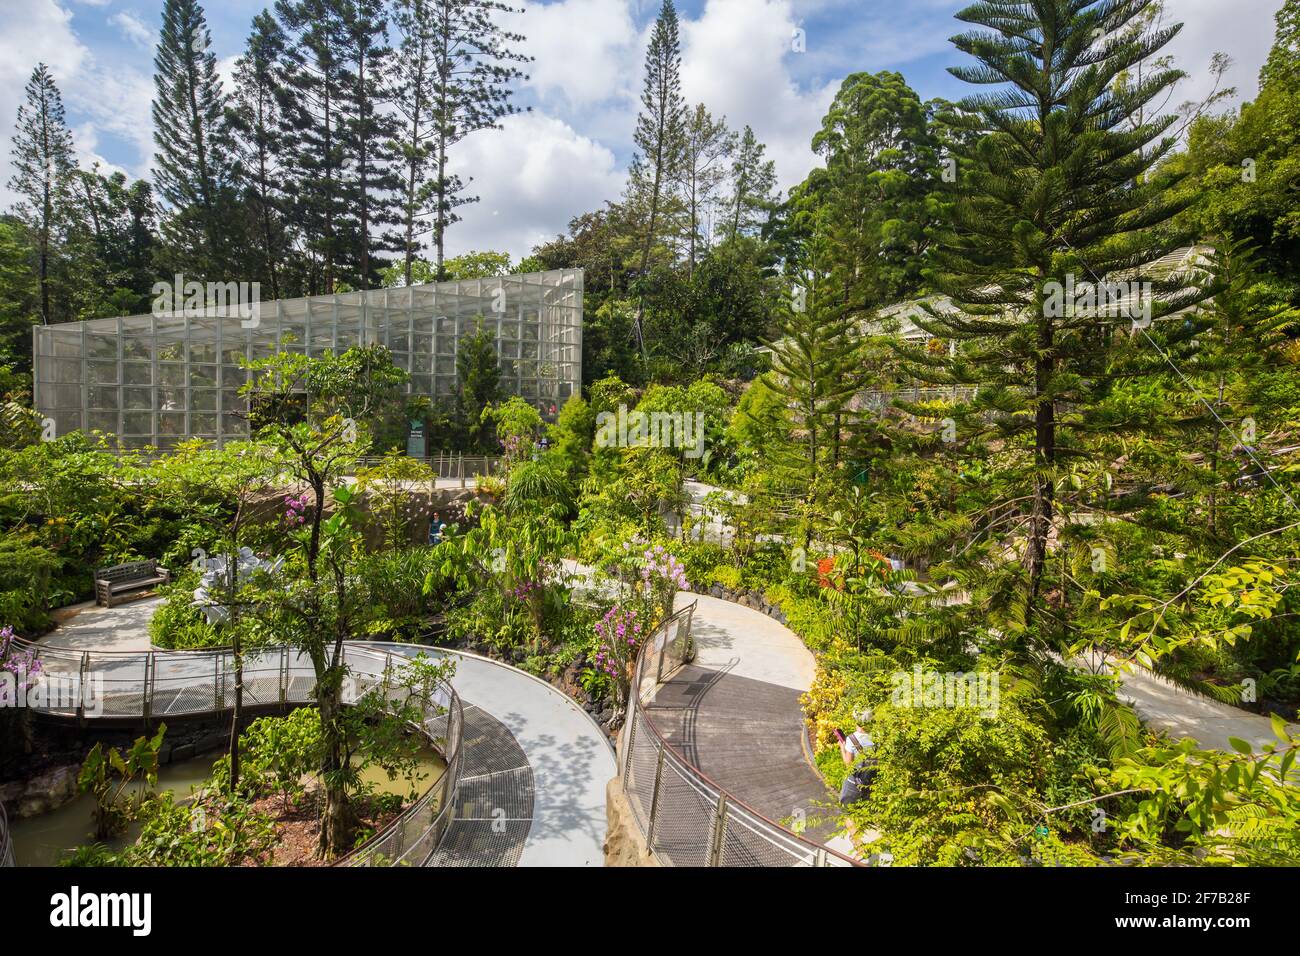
(44, 840)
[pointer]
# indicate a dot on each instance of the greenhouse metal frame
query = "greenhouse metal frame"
(156, 380)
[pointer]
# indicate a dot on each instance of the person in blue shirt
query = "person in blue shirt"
(435, 529)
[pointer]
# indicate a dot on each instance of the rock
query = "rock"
(42, 793)
(183, 752)
(624, 843)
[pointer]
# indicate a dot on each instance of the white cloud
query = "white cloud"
(133, 28)
(533, 176)
(736, 59)
(85, 141)
(582, 50)
(1243, 29)
(99, 98)
(31, 33)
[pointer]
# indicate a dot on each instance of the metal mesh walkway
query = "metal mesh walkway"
(494, 806)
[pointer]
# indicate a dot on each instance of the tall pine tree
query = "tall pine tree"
(753, 181)
(1052, 197)
(43, 177)
(256, 116)
(455, 74)
(707, 149)
(660, 139)
(193, 162)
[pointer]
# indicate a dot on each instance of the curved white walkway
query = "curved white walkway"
(570, 758)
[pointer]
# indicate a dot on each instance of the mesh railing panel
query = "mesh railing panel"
(674, 803)
(685, 811)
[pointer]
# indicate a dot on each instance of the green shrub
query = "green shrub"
(177, 624)
(275, 753)
(950, 779)
(727, 576)
(27, 570)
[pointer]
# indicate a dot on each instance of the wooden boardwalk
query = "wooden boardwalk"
(735, 714)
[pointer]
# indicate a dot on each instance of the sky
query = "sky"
(772, 64)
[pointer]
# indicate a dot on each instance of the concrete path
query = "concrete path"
(735, 713)
(570, 757)
(1163, 705)
(89, 627)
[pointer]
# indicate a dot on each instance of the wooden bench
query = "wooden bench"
(120, 579)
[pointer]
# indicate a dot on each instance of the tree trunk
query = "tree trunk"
(1044, 457)
(337, 819)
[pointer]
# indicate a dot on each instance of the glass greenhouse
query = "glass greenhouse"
(158, 379)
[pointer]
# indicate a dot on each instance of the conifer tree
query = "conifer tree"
(753, 183)
(1052, 199)
(256, 117)
(193, 163)
(659, 138)
(707, 147)
(814, 360)
(312, 97)
(453, 78)
(43, 177)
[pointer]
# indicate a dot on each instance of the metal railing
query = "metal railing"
(154, 686)
(880, 399)
(686, 818)
(6, 845)
(447, 466)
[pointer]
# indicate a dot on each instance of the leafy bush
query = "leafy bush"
(275, 752)
(27, 570)
(948, 778)
(180, 626)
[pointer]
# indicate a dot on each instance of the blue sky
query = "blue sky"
(569, 154)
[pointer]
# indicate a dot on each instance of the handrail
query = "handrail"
(156, 685)
(6, 845)
(708, 825)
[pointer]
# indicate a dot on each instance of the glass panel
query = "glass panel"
(61, 396)
(61, 370)
(63, 343)
(137, 398)
(203, 376)
(101, 372)
(171, 375)
(102, 396)
(203, 400)
(138, 347)
(137, 423)
(171, 399)
(101, 346)
(134, 373)
(102, 421)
